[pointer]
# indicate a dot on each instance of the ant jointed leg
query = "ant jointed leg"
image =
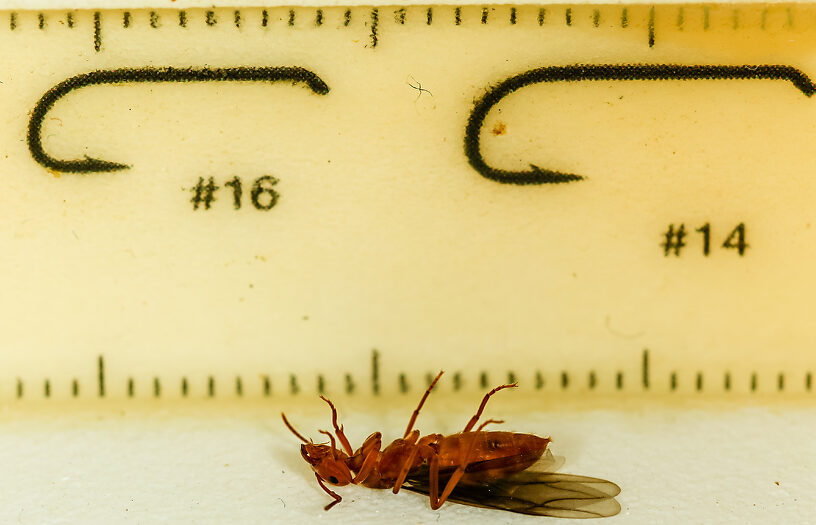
(421, 402)
(475, 418)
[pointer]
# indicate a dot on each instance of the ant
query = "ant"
(477, 467)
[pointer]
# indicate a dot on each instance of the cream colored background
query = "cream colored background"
(384, 237)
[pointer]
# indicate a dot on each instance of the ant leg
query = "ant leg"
(497, 421)
(339, 429)
(454, 479)
(475, 418)
(433, 490)
(336, 496)
(422, 448)
(365, 459)
(368, 466)
(406, 467)
(421, 402)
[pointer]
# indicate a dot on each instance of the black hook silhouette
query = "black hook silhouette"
(148, 74)
(582, 72)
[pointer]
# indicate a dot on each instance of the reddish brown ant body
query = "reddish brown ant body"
(480, 468)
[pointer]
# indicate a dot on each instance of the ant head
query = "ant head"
(327, 462)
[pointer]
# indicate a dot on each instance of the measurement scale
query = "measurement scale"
(257, 202)
(225, 211)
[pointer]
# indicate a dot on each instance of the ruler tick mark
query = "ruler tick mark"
(319, 17)
(568, 16)
(13, 21)
(154, 19)
(293, 386)
(542, 13)
(126, 19)
(75, 388)
(267, 386)
(564, 380)
(69, 19)
(97, 32)
(673, 381)
(403, 383)
(754, 382)
(511, 377)
(596, 18)
(484, 15)
(47, 388)
(210, 18)
(156, 387)
(727, 381)
(130, 387)
(239, 386)
(780, 382)
(512, 16)
(592, 380)
(429, 16)
(19, 388)
(763, 19)
(264, 18)
(539, 380)
(41, 21)
(375, 16)
(706, 18)
(291, 18)
(375, 372)
(399, 16)
(652, 26)
(347, 18)
(699, 382)
(808, 381)
(624, 18)
(457, 16)
(100, 370)
(735, 19)
(182, 18)
(457, 381)
(645, 369)
(483, 380)
(619, 380)
(236, 18)
(680, 18)
(321, 384)
(349, 384)
(184, 387)
(211, 386)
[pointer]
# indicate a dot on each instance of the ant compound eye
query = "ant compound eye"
(333, 480)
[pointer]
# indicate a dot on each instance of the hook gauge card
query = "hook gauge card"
(256, 202)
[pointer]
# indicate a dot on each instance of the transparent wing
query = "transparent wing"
(536, 491)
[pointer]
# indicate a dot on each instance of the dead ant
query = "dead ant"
(501, 470)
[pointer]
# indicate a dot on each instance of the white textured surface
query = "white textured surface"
(210, 464)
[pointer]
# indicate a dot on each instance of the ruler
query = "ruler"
(249, 203)
(211, 215)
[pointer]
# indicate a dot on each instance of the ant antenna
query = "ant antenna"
(290, 427)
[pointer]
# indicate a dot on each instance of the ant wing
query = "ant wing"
(531, 492)
(548, 462)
